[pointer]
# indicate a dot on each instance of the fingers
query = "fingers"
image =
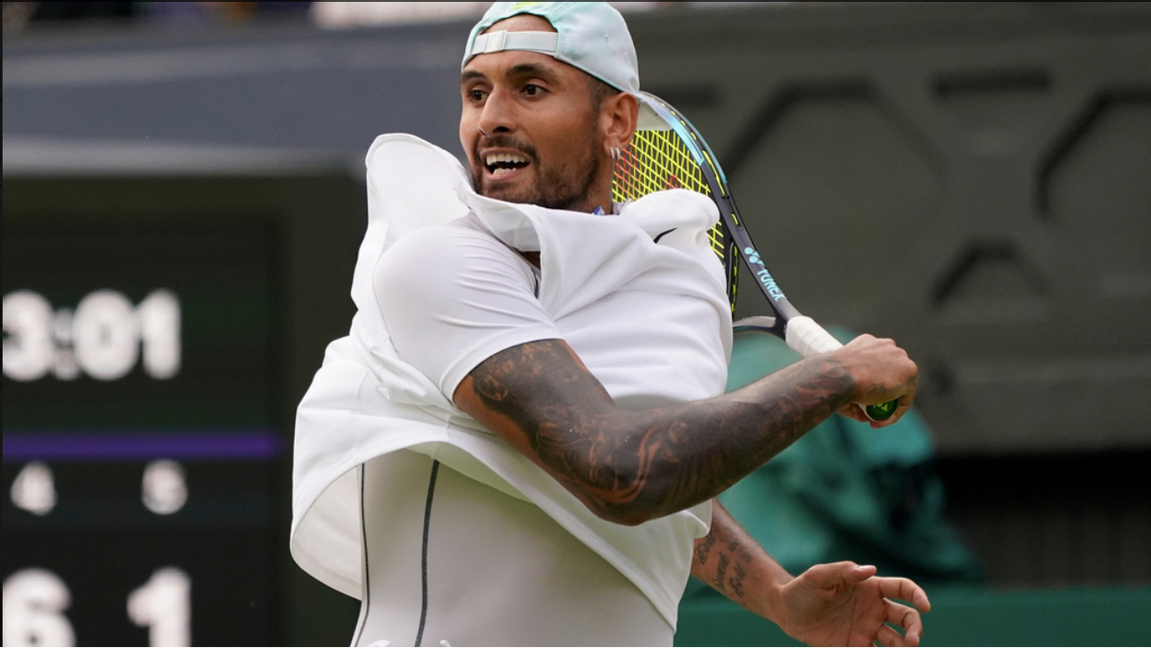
(906, 618)
(903, 408)
(858, 573)
(855, 413)
(876, 602)
(903, 617)
(904, 590)
(886, 636)
(901, 626)
(881, 394)
(882, 371)
(829, 575)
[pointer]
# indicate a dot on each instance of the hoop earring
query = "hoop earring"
(615, 153)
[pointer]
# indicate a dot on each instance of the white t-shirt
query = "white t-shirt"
(454, 295)
(650, 320)
(472, 297)
(448, 559)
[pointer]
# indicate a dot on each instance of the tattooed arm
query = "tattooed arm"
(629, 467)
(840, 604)
(732, 562)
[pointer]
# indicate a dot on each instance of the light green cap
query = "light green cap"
(591, 36)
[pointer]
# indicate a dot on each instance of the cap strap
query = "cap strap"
(542, 42)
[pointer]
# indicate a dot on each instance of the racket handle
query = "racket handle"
(807, 338)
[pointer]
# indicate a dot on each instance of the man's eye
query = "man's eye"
(532, 89)
(476, 95)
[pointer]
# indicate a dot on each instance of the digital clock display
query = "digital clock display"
(103, 337)
(142, 455)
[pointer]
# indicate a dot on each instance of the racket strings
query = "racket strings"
(656, 161)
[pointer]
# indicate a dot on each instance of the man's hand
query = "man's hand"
(845, 604)
(881, 372)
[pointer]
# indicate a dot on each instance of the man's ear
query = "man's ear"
(619, 115)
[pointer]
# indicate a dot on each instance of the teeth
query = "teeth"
(511, 158)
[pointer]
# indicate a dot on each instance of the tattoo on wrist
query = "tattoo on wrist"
(720, 570)
(703, 548)
(731, 566)
(735, 583)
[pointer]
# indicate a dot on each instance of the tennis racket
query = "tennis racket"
(674, 155)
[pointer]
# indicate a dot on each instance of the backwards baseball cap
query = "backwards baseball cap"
(590, 36)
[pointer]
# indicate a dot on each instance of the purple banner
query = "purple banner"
(128, 446)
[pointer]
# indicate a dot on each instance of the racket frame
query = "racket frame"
(730, 219)
(800, 332)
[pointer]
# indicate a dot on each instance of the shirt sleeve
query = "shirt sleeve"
(452, 297)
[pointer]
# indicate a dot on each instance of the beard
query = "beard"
(564, 185)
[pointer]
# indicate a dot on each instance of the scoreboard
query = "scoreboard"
(157, 335)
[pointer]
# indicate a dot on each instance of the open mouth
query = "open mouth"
(499, 164)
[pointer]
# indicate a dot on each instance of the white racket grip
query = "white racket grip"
(807, 338)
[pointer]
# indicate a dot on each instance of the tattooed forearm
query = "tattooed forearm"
(735, 565)
(730, 567)
(634, 466)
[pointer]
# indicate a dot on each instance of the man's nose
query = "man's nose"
(497, 115)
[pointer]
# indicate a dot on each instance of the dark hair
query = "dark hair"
(600, 91)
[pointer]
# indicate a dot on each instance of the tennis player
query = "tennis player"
(521, 439)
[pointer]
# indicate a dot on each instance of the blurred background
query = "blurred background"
(183, 201)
